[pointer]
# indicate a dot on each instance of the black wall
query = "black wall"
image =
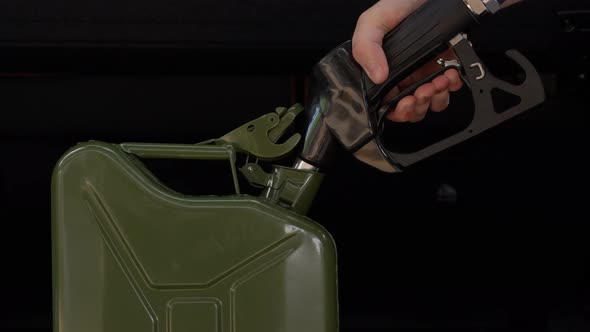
(511, 253)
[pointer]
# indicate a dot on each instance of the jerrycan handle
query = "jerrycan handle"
(186, 151)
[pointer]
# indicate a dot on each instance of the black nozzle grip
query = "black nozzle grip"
(417, 40)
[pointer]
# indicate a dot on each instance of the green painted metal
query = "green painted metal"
(259, 137)
(294, 189)
(186, 151)
(130, 254)
(287, 118)
(291, 188)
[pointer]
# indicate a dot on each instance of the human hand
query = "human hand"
(367, 50)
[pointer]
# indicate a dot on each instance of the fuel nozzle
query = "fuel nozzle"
(318, 143)
(347, 109)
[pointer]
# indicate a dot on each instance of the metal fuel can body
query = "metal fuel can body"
(130, 254)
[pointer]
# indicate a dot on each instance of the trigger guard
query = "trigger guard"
(482, 82)
(485, 116)
(528, 68)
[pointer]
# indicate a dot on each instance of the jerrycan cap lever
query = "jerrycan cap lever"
(259, 137)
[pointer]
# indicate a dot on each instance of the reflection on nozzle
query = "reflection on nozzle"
(305, 166)
(317, 146)
(372, 155)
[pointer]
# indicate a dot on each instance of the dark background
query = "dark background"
(509, 253)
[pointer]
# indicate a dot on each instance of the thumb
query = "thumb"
(371, 27)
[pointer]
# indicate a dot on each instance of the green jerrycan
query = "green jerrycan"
(131, 254)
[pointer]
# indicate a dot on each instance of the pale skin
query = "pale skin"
(367, 50)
